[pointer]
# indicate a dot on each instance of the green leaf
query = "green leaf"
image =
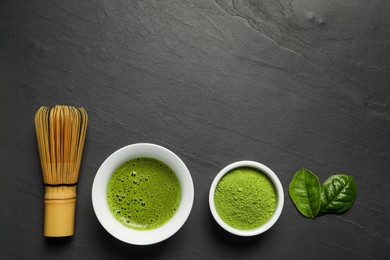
(338, 195)
(305, 192)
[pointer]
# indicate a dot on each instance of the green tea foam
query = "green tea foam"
(143, 193)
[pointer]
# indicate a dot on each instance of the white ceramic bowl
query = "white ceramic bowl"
(99, 194)
(279, 198)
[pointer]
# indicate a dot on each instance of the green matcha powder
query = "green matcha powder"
(245, 198)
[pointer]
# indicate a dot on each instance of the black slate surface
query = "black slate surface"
(290, 84)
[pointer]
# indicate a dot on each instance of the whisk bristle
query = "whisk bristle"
(61, 133)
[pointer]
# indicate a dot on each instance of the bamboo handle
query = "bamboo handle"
(60, 206)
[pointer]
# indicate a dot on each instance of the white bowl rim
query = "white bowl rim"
(99, 197)
(279, 194)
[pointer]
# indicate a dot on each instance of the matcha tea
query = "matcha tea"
(245, 198)
(143, 193)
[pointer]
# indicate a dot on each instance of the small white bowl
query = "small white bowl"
(279, 198)
(99, 194)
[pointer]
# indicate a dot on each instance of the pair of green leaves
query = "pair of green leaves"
(336, 195)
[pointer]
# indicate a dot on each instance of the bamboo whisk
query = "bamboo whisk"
(60, 133)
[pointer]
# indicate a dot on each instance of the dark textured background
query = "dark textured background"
(291, 84)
